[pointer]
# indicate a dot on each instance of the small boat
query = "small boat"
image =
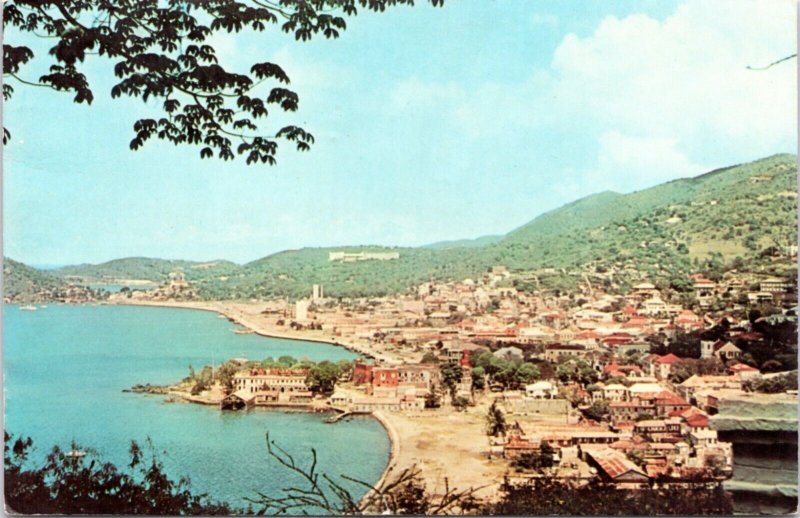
(75, 454)
(43, 306)
(242, 331)
(27, 307)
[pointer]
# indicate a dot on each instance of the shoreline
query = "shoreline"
(415, 439)
(384, 421)
(394, 449)
(268, 332)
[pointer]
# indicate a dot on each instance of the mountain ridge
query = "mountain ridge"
(665, 230)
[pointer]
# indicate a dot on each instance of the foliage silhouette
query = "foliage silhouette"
(163, 50)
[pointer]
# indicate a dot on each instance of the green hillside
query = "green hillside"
(21, 283)
(743, 215)
(729, 213)
(144, 268)
(464, 243)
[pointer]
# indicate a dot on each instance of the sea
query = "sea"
(65, 368)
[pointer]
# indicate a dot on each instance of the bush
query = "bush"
(77, 484)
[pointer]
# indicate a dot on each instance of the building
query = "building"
(301, 310)
(774, 285)
(317, 292)
(725, 351)
(272, 385)
(612, 466)
(350, 257)
(541, 390)
(554, 351)
(420, 376)
(385, 380)
(362, 373)
(704, 290)
(661, 366)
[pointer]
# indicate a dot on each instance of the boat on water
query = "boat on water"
(242, 331)
(43, 306)
(27, 307)
(75, 454)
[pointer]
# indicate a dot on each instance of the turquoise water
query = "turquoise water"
(65, 368)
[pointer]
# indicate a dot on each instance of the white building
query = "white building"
(301, 310)
(541, 390)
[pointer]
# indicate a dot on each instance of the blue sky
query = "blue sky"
(431, 124)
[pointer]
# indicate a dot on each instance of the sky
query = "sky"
(430, 123)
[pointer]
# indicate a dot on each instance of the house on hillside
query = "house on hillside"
(723, 350)
(612, 466)
(661, 366)
(541, 390)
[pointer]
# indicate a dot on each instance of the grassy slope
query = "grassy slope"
(21, 283)
(155, 270)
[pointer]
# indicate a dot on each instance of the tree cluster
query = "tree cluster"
(71, 483)
(548, 496)
(163, 51)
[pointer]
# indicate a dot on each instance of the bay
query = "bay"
(65, 368)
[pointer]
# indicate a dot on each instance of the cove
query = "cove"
(65, 368)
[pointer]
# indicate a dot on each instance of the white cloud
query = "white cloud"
(675, 90)
(641, 161)
(686, 77)
(627, 163)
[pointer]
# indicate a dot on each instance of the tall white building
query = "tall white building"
(301, 310)
(317, 292)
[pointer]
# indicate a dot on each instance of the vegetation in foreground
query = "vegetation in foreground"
(69, 483)
(75, 484)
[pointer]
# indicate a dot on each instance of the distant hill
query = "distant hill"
(745, 214)
(21, 283)
(143, 268)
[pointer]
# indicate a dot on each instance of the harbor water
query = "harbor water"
(65, 368)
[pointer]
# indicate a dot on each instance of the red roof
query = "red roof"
(615, 367)
(517, 443)
(698, 421)
(668, 359)
(615, 464)
(654, 471)
(668, 398)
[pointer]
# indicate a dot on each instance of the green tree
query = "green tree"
(225, 374)
(527, 373)
(286, 361)
(429, 357)
(70, 484)
(478, 378)
(460, 403)
(345, 369)
(548, 496)
(495, 421)
(433, 399)
(597, 410)
(451, 376)
(164, 52)
(323, 376)
(544, 458)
